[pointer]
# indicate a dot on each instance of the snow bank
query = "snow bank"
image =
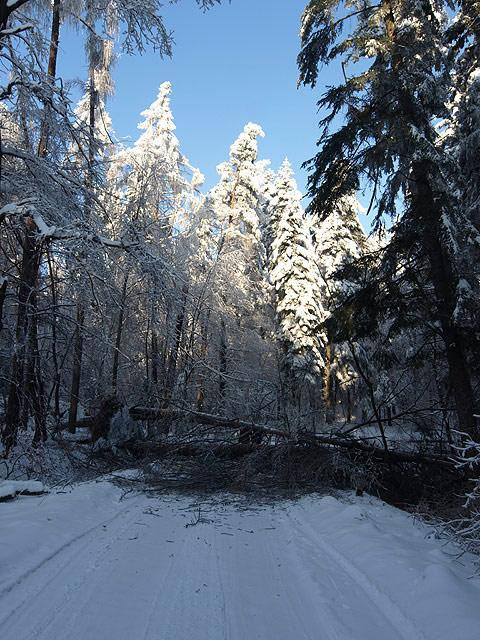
(7, 490)
(11, 488)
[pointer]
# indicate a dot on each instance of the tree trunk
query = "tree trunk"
(76, 370)
(444, 284)
(328, 385)
(147, 356)
(56, 371)
(118, 339)
(173, 359)
(154, 348)
(302, 438)
(35, 388)
(32, 392)
(349, 406)
(200, 400)
(222, 356)
(31, 256)
(78, 343)
(3, 295)
(51, 71)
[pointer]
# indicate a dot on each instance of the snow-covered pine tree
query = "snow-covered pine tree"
(158, 177)
(235, 198)
(297, 290)
(339, 241)
(238, 283)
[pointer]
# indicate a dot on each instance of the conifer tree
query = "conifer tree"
(157, 187)
(297, 291)
(461, 141)
(157, 176)
(238, 289)
(389, 137)
(339, 241)
(234, 203)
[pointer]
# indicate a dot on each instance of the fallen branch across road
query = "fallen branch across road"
(301, 438)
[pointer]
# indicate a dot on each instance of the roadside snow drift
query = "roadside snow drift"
(88, 565)
(11, 488)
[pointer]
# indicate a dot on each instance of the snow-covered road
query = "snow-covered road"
(86, 565)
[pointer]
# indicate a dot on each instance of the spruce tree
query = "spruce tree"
(235, 205)
(339, 241)
(156, 174)
(296, 284)
(392, 101)
(231, 214)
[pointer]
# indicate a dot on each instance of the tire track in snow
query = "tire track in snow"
(266, 595)
(51, 556)
(221, 582)
(29, 598)
(291, 595)
(312, 598)
(159, 591)
(73, 587)
(111, 567)
(195, 606)
(389, 609)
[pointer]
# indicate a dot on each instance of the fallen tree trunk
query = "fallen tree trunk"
(377, 452)
(301, 438)
(152, 413)
(222, 451)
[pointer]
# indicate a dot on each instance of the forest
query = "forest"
(247, 335)
(250, 412)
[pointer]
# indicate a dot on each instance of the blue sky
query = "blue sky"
(233, 64)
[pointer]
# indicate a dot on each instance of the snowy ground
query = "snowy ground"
(87, 565)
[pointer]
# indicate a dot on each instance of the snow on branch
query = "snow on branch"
(16, 30)
(47, 232)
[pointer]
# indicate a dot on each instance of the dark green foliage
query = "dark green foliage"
(396, 85)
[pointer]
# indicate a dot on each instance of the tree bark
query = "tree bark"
(3, 295)
(222, 356)
(444, 284)
(200, 399)
(154, 349)
(118, 339)
(78, 343)
(173, 359)
(30, 264)
(51, 71)
(56, 382)
(76, 370)
(33, 389)
(328, 385)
